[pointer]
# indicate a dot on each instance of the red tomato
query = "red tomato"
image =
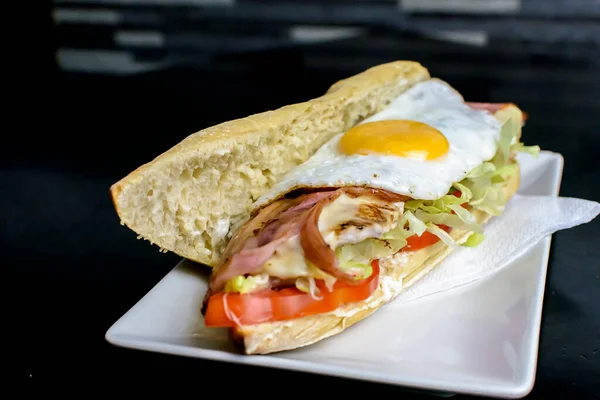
(231, 309)
(415, 242)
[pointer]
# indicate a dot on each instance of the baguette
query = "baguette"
(191, 198)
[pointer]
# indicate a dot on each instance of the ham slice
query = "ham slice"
(316, 250)
(492, 107)
(258, 239)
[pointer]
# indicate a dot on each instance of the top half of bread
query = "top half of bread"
(189, 198)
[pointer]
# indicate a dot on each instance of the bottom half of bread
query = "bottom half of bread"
(396, 274)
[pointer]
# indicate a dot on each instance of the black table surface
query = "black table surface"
(82, 270)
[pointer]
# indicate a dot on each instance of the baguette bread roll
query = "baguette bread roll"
(189, 199)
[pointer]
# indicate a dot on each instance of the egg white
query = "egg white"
(472, 136)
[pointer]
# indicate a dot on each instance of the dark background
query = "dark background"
(113, 85)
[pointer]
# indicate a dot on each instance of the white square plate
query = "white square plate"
(481, 338)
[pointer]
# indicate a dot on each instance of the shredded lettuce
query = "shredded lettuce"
(508, 133)
(483, 170)
(307, 284)
(356, 258)
(487, 181)
(245, 284)
(442, 234)
(521, 148)
(474, 240)
(367, 270)
(441, 205)
(359, 256)
(482, 189)
(462, 219)
(408, 225)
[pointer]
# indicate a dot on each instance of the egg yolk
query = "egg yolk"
(403, 138)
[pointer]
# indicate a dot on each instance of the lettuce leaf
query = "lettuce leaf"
(356, 258)
(442, 234)
(534, 151)
(474, 240)
(482, 189)
(508, 134)
(245, 284)
(361, 254)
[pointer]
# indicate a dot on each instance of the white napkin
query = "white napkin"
(525, 221)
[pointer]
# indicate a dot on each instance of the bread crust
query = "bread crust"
(286, 335)
(190, 197)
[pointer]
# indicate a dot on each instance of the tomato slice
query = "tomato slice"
(231, 309)
(415, 242)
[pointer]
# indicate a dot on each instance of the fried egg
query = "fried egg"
(419, 145)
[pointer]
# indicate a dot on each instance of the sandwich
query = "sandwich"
(314, 215)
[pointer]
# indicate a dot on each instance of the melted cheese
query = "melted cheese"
(360, 211)
(288, 261)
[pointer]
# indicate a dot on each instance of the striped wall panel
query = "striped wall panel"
(132, 36)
